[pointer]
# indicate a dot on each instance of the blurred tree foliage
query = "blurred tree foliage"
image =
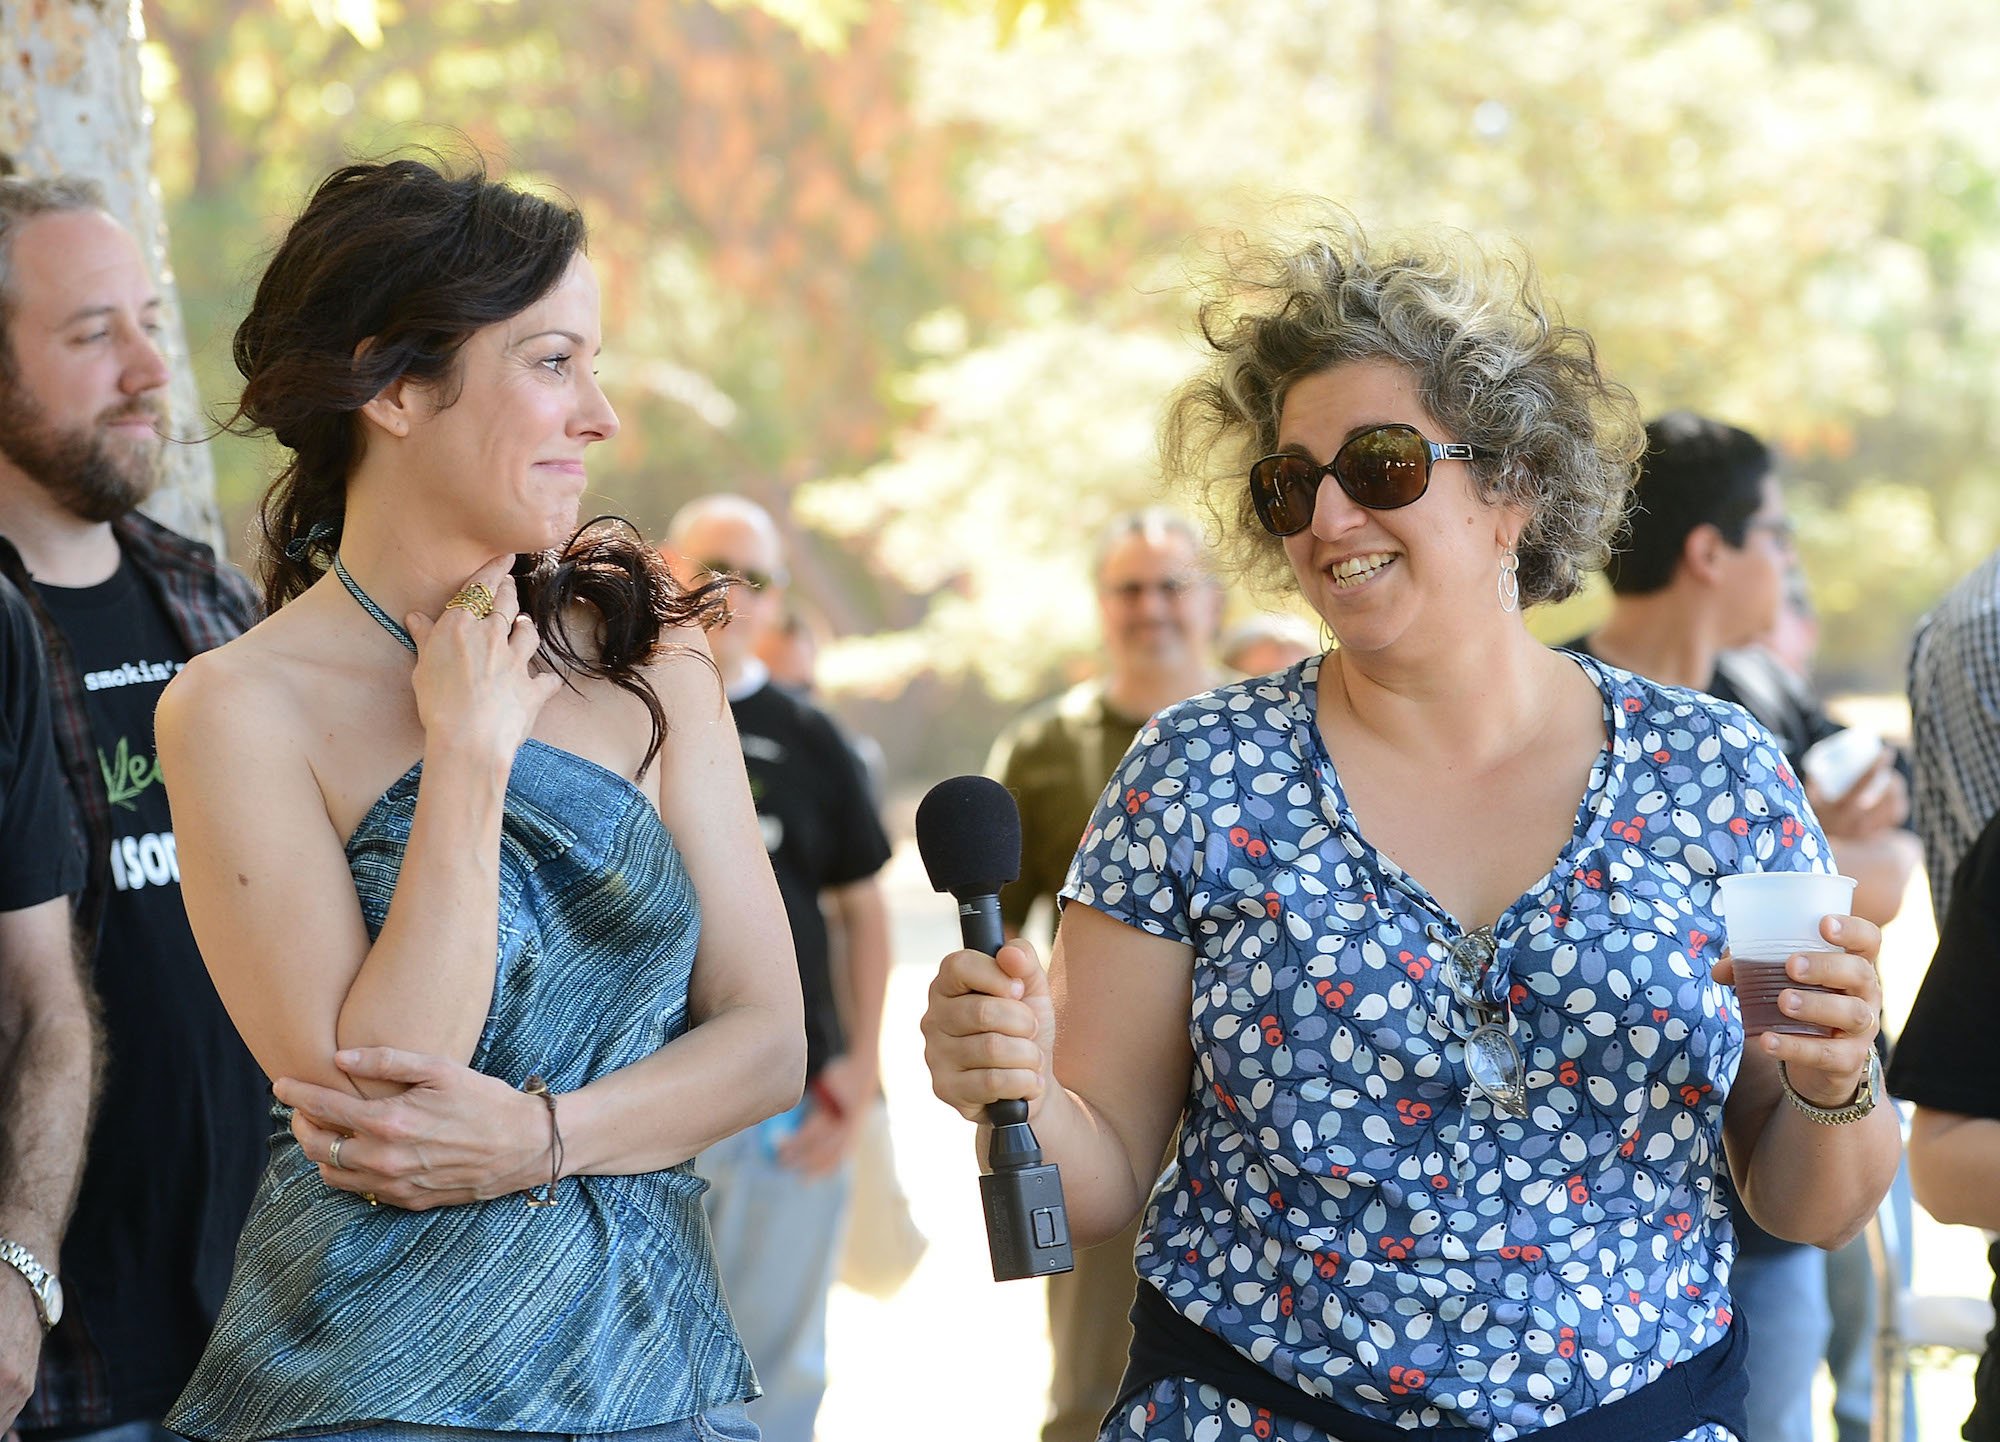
(917, 264)
(767, 218)
(1780, 212)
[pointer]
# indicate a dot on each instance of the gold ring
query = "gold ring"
(333, 1153)
(474, 596)
(369, 1197)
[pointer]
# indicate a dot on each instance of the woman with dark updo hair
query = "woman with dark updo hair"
(447, 821)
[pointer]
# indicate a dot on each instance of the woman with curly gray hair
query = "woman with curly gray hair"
(1413, 948)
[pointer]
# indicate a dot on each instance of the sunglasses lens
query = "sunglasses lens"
(1283, 489)
(1384, 468)
(1493, 1065)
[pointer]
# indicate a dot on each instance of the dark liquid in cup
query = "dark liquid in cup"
(1757, 986)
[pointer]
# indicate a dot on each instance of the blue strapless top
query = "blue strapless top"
(599, 1314)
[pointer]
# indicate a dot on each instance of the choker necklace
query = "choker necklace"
(368, 604)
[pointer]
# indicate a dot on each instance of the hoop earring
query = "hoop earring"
(1325, 636)
(1510, 581)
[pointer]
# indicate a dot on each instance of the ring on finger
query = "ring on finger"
(333, 1154)
(369, 1197)
(473, 596)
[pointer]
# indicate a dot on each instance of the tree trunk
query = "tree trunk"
(71, 103)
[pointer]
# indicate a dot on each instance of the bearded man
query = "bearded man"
(121, 604)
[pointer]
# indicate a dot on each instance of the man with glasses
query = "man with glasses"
(1158, 608)
(1698, 575)
(779, 1192)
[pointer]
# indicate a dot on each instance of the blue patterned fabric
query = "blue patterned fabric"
(599, 1314)
(1340, 1208)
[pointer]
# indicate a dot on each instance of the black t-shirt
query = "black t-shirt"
(41, 842)
(1945, 1057)
(1788, 709)
(820, 828)
(182, 1128)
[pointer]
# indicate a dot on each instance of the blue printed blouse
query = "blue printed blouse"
(1343, 1207)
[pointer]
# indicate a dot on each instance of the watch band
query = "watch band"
(38, 1277)
(1863, 1103)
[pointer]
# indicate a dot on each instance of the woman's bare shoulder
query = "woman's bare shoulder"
(608, 720)
(680, 670)
(239, 691)
(683, 673)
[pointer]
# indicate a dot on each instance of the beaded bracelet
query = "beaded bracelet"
(545, 1196)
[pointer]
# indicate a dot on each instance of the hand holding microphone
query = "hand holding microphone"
(989, 1031)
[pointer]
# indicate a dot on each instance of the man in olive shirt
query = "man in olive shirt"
(1159, 610)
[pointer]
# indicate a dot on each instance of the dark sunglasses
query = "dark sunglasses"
(754, 579)
(1383, 468)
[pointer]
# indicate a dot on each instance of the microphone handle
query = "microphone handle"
(979, 922)
(1027, 1226)
(980, 930)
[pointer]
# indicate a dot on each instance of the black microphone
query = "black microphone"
(969, 834)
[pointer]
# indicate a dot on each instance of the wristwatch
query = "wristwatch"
(41, 1281)
(1865, 1096)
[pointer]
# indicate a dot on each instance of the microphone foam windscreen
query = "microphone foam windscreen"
(969, 834)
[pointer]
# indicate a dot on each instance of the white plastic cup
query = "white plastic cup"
(1770, 917)
(1765, 909)
(1836, 764)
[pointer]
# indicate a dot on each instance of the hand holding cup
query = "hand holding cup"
(1804, 973)
(1853, 785)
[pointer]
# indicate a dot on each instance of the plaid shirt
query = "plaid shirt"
(1955, 724)
(208, 602)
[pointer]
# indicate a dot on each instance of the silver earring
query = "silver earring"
(1510, 581)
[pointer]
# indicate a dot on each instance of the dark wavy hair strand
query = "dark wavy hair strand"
(607, 566)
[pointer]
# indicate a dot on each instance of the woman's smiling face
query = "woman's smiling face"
(509, 447)
(1377, 576)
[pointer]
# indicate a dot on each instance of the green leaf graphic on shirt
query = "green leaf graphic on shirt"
(127, 774)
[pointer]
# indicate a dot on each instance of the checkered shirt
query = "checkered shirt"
(1955, 723)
